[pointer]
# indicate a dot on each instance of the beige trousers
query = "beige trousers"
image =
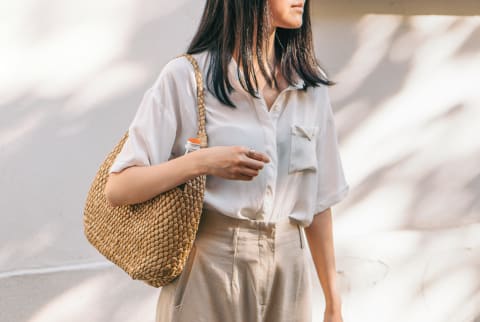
(241, 271)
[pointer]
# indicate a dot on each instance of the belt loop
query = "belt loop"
(235, 240)
(300, 235)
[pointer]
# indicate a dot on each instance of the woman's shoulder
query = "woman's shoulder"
(316, 93)
(179, 68)
(180, 64)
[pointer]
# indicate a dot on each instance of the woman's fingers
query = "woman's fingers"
(236, 163)
(244, 177)
(248, 172)
(253, 164)
(257, 155)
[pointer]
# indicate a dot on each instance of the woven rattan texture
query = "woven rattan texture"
(151, 240)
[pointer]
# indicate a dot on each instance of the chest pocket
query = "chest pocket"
(303, 154)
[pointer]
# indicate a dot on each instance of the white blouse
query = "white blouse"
(304, 175)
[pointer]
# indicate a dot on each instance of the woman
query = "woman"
(272, 165)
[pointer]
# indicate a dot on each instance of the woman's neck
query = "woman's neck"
(270, 55)
(268, 58)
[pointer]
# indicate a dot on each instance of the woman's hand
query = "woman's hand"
(333, 308)
(329, 316)
(232, 162)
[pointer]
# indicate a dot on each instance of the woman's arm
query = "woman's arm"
(140, 183)
(320, 240)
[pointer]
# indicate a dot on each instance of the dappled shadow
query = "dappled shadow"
(385, 173)
(441, 176)
(102, 295)
(471, 46)
(386, 79)
(52, 146)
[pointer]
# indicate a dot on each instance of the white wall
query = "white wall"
(407, 109)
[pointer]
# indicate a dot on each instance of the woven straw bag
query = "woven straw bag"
(151, 240)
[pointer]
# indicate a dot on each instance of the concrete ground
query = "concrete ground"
(410, 275)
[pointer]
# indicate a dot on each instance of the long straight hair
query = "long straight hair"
(227, 23)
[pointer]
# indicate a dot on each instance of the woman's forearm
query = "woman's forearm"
(140, 183)
(320, 240)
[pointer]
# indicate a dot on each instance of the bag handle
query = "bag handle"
(202, 133)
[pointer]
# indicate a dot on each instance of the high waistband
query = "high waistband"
(212, 218)
(217, 224)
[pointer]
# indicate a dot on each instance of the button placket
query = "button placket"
(270, 184)
(268, 120)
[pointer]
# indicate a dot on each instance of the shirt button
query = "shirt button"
(269, 190)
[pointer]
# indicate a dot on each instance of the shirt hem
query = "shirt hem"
(121, 166)
(331, 200)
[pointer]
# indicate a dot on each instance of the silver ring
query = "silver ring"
(251, 151)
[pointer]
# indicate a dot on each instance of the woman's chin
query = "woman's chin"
(293, 24)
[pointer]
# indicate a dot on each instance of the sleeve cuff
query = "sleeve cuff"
(331, 200)
(119, 166)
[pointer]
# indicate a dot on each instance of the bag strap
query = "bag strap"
(202, 133)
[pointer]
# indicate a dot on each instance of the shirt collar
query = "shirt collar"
(235, 80)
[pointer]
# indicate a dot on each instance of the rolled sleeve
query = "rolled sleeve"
(332, 186)
(165, 119)
(151, 134)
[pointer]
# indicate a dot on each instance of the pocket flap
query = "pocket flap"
(306, 131)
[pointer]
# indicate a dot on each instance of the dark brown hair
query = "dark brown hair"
(226, 23)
